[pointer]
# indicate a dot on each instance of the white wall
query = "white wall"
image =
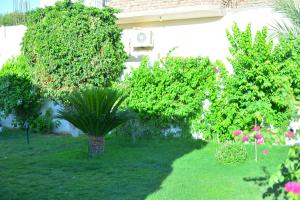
(205, 37)
(10, 40)
(64, 127)
(194, 37)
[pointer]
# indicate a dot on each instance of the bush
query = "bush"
(231, 153)
(72, 46)
(44, 123)
(173, 89)
(18, 94)
(12, 19)
(258, 91)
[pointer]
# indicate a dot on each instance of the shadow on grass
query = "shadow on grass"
(275, 191)
(57, 167)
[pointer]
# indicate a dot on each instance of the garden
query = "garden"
(176, 128)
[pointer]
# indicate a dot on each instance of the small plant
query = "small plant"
(44, 123)
(231, 153)
(254, 137)
(95, 112)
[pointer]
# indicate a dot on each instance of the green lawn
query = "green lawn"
(57, 167)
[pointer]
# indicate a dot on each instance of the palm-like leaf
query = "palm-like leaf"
(290, 9)
(94, 111)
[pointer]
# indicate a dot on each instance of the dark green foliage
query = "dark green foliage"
(94, 111)
(18, 95)
(231, 153)
(44, 123)
(260, 90)
(138, 127)
(172, 89)
(72, 46)
(12, 19)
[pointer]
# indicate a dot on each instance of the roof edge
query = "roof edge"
(180, 13)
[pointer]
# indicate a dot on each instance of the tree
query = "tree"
(72, 46)
(18, 94)
(95, 112)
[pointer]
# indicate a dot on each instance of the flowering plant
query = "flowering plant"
(287, 179)
(293, 190)
(254, 137)
(290, 134)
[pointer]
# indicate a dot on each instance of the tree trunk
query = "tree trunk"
(96, 145)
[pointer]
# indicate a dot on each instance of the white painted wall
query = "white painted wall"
(194, 37)
(10, 41)
(205, 37)
(64, 127)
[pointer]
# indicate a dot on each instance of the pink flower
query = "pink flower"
(290, 134)
(258, 136)
(256, 128)
(237, 132)
(245, 138)
(260, 141)
(292, 187)
(265, 152)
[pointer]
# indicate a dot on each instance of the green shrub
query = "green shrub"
(18, 94)
(172, 89)
(142, 127)
(231, 153)
(258, 91)
(45, 123)
(138, 127)
(72, 46)
(12, 19)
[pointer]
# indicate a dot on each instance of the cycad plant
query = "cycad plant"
(290, 9)
(95, 112)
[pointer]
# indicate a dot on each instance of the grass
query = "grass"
(57, 167)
